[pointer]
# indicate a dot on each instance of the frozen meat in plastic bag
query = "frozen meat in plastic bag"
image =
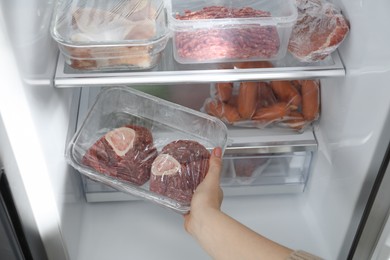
(319, 30)
(118, 22)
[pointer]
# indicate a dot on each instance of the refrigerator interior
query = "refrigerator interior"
(39, 113)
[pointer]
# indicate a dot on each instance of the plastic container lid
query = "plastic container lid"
(109, 23)
(263, 12)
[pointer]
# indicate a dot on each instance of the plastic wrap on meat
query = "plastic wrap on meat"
(248, 170)
(319, 30)
(126, 153)
(246, 167)
(179, 169)
(110, 35)
(291, 104)
(96, 25)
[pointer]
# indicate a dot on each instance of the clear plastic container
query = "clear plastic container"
(168, 123)
(227, 30)
(110, 35)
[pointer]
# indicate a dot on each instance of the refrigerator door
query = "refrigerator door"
(382, 250)
(34, 118)
(373, 236)
(10, 244)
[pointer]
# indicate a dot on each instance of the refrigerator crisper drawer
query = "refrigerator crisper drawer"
(256, 161)
(266, 174)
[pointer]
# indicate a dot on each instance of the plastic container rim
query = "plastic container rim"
(152, 55)
(123, 43)
(270, 20)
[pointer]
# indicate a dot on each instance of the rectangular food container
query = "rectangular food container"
(167, 122)
(110, 35)
(227, 30)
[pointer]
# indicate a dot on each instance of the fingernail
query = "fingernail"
(218, 152)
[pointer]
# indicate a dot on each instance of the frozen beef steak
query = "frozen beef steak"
(247, 167)
(249, 170)
(319, 30)
(178, 170)
(126, 153)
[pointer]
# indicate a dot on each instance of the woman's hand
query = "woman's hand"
(208, 195)
(221, 236)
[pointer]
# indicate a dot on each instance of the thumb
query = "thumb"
(214, 173)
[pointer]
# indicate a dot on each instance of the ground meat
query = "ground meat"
(239, 42)
(126, 153)
(179, 169)
(218, 12)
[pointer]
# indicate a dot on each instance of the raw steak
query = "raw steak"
(319, 30)
(126, 153)
(246, 167)
(125, 22)
(179, 169)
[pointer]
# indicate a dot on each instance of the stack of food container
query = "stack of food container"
(131, 34)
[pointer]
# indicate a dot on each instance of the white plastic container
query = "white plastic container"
(208, 31)
(110, 35)
(116, 107)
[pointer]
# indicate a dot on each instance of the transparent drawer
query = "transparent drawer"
(266, 173)
(241, 175)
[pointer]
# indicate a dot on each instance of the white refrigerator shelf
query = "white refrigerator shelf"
(168, 71)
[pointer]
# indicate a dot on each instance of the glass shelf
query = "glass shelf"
(168, 71)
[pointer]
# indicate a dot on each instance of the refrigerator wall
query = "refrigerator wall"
(37, 119)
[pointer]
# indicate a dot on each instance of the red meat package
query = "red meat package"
(131, 142)
(319, 30)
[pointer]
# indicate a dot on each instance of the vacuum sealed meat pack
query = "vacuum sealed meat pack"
(145, 146)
